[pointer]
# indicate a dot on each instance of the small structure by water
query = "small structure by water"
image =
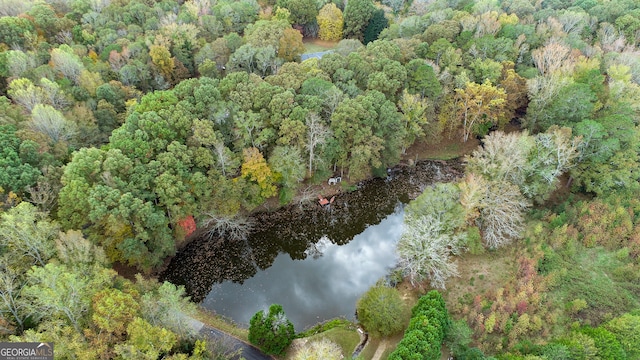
(220, 273)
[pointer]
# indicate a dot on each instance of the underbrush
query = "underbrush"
(572, 269)
(326, 326)
(594, 285)
(340, 331)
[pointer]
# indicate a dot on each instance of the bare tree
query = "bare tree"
(305, 197)
(73, 249)
(317, 134)
(98, 5)
(573, 21)
(11, 285)
(332, 98)
(236, 227)
(49, 121)
(224, 157)
(55, 96)
(503, 157)
(488, 24)
(14, 7)
(28, 233)
(502, 214)
(550, 58)
(43, 195)
(66, 62)
(607, 34)
(425, 249)
(556, 152)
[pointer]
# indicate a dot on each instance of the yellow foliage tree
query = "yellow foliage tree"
(480, 106)
(330, 22)
(255, 168)
(161, 58)
(291, 45)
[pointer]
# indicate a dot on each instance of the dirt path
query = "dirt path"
(380, 350)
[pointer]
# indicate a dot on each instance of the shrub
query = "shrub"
(573, 307)
(323, 349)
(459, 337)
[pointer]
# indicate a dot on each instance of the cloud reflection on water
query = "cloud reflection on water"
(314, 289)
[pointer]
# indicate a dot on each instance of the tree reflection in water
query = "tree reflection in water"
(300, 233)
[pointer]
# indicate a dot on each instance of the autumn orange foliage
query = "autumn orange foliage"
(188, 224)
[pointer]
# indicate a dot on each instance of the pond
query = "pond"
(325, 285)
(315, 261)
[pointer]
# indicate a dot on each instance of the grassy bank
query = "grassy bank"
(222, 323)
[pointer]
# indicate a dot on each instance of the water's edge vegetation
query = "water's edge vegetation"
(126, 125)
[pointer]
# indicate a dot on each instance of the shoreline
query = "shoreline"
(443, 152)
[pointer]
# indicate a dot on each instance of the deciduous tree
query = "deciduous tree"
(290, 45)
(49, 121)
(25, 93)
(502, 213)
(287, 165)
(13, 307)
(256, 169)
(433, 232)
(66, 62)
(146, 341)
(331, 23)
(550, 58)
(28, 234)
(57, 292)
(381, 310)
(112, 311)
(161, 58)
(168, 307)
(414, 115)
(480, 106)
(317, 134)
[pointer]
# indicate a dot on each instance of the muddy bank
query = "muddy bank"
(296, 229)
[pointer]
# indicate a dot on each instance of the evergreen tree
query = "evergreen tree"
(272, 331)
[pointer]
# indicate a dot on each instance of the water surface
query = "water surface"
(314, 261)
(324, 285)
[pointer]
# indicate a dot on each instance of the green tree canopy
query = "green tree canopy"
(381, 310)
(271, 331)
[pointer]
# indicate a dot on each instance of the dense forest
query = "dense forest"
(125, 124)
